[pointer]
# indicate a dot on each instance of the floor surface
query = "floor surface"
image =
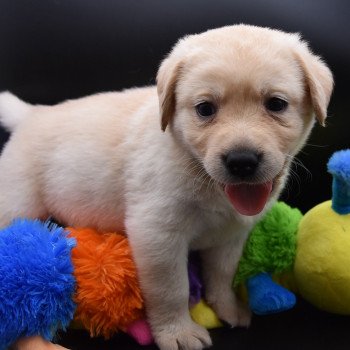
(304, 327)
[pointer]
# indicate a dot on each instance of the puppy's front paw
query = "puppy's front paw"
(230, 310)
(185, 335)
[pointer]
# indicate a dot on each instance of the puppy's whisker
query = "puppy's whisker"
(294, 178)
(191, 166)
(299, 164)
(202, 178)
(294, 175)
(197, 173)
(314, 145)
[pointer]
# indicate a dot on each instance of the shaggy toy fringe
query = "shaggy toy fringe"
(37, 283)
(108, 295)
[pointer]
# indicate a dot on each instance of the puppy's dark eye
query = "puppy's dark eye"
(276, 104)
(206, 109)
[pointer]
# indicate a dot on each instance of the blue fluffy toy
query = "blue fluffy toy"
(37, 283)
(339, 167)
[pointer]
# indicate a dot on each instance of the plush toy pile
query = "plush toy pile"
(307, 254)
(50, 275)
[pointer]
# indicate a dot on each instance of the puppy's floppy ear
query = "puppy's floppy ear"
(319, 80)
(167, 79)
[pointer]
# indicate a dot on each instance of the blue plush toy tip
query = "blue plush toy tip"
(339, 167)
(267, 297)
(37, 282)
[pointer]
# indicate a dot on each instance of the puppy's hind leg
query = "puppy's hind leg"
(19, 202)
(19, 194)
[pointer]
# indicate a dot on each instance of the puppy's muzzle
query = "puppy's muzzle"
(242, 164)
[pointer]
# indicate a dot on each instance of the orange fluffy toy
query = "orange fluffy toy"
(108, 295)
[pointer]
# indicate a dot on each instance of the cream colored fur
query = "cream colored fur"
(103, 161)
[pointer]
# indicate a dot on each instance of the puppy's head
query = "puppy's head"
(242, 100)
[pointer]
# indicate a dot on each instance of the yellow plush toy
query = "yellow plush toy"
(322, 264)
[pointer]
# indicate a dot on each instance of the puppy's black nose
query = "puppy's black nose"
(242, 163)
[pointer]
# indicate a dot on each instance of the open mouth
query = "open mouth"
(249, 199)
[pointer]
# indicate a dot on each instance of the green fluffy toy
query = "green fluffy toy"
(270, 250)
(272, 244)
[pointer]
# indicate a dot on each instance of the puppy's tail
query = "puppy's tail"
(12, 110)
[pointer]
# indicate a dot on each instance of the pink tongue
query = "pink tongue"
(249, 199)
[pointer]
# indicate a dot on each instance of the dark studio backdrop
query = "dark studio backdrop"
(52, 50)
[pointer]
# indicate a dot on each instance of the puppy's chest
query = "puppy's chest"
(212, 227)
(208, 239)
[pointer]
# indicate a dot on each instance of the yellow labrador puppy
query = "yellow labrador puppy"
(191, 164)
